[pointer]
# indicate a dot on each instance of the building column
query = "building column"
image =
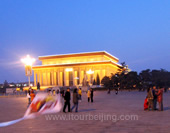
(38, 77)
(41, 78)
(80, 76)
(46, 75)
(35, 82)
(65, 77)
(58, 77)
(73, 78)
(55, 78)
(52, 75)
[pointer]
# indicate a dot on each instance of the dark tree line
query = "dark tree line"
(132, 80)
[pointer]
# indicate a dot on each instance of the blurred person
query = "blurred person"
(146, 104)
(29, 97)
(79, 93)
(150, 99)
(88, 95)
(91, 95)
(67, 100)
(154, 91)
(160, 98)
(32, 95)
(75, 100)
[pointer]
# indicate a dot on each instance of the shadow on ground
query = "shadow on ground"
(86, 110)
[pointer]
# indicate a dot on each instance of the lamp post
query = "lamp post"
(28, 62)
(90, 72)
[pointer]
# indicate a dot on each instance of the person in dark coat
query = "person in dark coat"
(67, 100)
(91, 94)
(154, 97)
(75, 100)
(38, 86)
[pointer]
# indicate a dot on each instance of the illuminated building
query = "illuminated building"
(74, 69)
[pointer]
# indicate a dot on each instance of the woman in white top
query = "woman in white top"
(29, 97)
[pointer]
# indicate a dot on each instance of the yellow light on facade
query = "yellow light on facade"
(69, 69)
(90, 72)
(28, 61)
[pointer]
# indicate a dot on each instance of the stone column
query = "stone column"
(46, 78)
(79, 76)
(35, 82)
(65, 77)
(58, 77)
(73, 78)
(52, 75)
(41, 78)
(37, 77)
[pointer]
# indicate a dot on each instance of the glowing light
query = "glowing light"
(28, 61)
(90, 72)
(69, 69)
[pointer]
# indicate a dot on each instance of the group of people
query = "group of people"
(77, 96)
(154, 96)
(30, 95)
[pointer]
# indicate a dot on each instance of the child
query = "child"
(88, 95)
(146, 104)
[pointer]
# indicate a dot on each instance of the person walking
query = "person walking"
(88, 95)
(160, 99)
(91, 95)
(67, 100)
(75, 100)
(154, 98)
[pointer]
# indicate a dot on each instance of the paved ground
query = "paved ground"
(108, 114)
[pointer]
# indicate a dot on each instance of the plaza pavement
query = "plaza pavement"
(123, 106)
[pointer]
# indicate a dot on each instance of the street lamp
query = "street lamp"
(28, 61)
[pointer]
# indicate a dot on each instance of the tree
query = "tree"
(145, 77)
(106, 81)
(6, 84)
(94, 82)
(97, 80)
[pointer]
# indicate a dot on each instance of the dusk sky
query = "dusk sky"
(137, 32)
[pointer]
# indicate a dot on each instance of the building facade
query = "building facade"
(74, 69)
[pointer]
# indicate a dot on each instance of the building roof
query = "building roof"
(74, 64)
(78, 54)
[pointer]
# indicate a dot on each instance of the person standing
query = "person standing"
(75, 100)
(154, 97)
(116, 90)
(91, 95)
(160, 99)
(88, 95)
(29, 97)
(38, 86)
(80, 93)
(67, 100)
(150, 99)
(32, 95)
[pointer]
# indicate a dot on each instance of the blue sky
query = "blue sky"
(137, 32)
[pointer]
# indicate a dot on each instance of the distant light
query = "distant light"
(69, 69)
(28, 61)
(90, 72)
